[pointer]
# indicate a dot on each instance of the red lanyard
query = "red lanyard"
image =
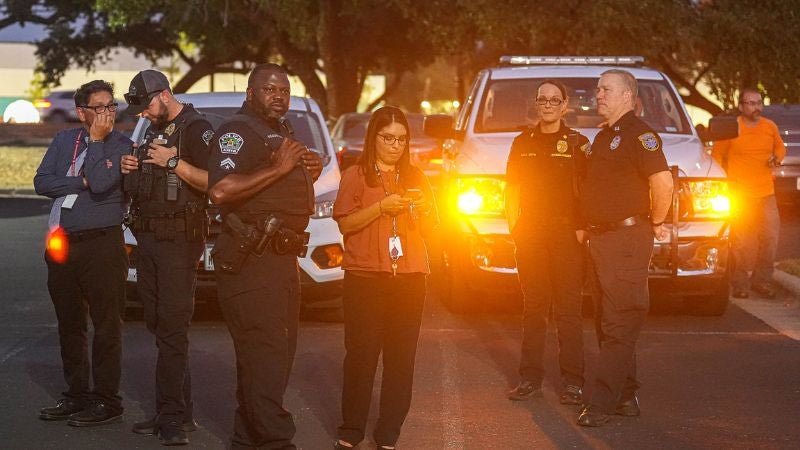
(75, 154)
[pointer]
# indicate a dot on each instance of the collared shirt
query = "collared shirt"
(102, 203)
(621, 160)
(547, 170)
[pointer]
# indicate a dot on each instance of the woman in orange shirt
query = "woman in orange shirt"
(384, 207)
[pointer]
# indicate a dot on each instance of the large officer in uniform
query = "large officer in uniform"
(263, 181)
(624, 200)
(544, 167)
(167, 182)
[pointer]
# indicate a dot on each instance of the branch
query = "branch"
(386, 91)
(188, 60)
(695, 98)
(201, 69)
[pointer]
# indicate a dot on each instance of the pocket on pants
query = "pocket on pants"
(633, 288)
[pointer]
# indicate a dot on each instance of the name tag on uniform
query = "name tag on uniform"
(395, 248)
(69, 201)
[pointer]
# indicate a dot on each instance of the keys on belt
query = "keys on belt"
(611, 226)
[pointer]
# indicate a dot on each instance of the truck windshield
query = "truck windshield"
(508, 105)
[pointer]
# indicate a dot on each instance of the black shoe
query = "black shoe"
(172, 433)
(571, 395)
(740, 293)
(339, 446)
(63, 409)
(628, 408)
(765, 290)
(151, 427)
(591, 417)
(524, 391)
(97, 413)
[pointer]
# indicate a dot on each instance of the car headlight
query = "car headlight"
(710, 198)
(480, 195)
(323, 205)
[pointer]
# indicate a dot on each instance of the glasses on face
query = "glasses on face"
(100, 109)
(754, 103)
(554, 101)
(388, 139)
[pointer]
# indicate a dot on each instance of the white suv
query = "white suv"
(478, 256)
(321, 272)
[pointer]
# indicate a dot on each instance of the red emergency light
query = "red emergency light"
(57, 245)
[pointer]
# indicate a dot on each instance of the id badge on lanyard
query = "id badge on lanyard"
(395, 246)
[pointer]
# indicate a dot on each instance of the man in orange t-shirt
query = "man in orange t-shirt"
(748, 160)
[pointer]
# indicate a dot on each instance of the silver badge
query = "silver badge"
(207, 136)
(615, 143)
(230, 143)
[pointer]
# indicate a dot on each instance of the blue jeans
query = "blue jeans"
(754, 232)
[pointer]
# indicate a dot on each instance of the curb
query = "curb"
(789, 282)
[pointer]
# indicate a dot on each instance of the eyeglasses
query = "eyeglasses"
(754, 103)
(388, 139)
(554, 101)
(100, 109)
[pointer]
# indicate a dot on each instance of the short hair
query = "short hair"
(556, 83)
(746, 90)
(86, 90)
(266, 67)
(628, 80)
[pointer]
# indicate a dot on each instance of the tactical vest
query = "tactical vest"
(293, 193)
(149, 189)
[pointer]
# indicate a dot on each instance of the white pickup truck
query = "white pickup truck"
(478, 257)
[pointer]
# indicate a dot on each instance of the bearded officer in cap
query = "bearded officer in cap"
(625, 198)
(263, 181)
(167, 182)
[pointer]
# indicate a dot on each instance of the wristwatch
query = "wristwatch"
(172, 163)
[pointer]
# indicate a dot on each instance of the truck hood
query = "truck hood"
(487, 155)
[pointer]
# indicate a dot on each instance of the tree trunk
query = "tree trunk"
(341, 72)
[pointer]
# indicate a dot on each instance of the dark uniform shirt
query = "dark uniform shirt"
(102, 203)
(240, 149)
(193, 144)
(619, 163)
(547, 171)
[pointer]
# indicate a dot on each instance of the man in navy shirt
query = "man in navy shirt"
(81, 173)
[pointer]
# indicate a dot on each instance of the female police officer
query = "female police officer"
(541, 208)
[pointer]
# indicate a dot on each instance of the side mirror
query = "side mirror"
(439, 126)
(720, 128)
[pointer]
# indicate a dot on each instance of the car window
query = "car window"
(788, 121)
(461, 121)
(355, 127)
(508, 105)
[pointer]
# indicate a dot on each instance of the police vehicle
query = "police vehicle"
(478, 257)
(320, 270)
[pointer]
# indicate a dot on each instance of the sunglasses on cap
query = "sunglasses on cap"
(140, 99)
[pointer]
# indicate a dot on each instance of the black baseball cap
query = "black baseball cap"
(144, 86)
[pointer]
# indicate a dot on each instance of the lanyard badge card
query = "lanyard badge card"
(395, 252)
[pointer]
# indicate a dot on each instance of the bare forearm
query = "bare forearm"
(237, 186)
(661, 195)
(196, 177)
(360, 218)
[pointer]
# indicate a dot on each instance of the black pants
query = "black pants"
(380, 314)
(550, 266)
(167, 271)
(263, 323)
(620, 261)
(92, 280)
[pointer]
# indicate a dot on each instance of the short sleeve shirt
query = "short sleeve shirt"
(547, 168)
(619, 164)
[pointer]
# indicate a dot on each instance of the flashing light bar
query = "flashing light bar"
(572, 60)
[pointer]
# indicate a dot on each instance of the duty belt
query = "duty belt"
(268, 233)
(611, 226)
(173, 220)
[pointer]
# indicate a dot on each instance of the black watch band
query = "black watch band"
(172, 163)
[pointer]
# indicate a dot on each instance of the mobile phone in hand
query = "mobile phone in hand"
(414, 194)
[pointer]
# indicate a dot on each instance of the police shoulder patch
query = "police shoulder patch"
(649, 141)
(207, 135)
(230, 143)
